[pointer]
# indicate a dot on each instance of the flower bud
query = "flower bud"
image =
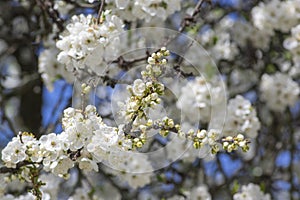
(139, 144)
(240, 137)
(149, 122)
(148, 67)
(151, 60)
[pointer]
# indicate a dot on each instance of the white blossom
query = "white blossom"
(147, 10)
(61, 166)
(14, 152)
(199, 95)
(241, 118)
(138, 87)
(200, 192)
(276, 15)
(86, 42)
(250, 192)
(78, 134)
(88, 164)
(244, 32)
(218, 43)
(51, 186)
(292, 44)
(51, 69)
(279, 91)
(133, 168)
(50, 142)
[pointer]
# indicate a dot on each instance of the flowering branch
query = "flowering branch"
(86, 139)
(124, 64)
(4, 170)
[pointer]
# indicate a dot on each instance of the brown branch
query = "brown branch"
(4, 169)
(47, 7)
(79, 4)
(126, 64)
(112, 82)
(188, 19)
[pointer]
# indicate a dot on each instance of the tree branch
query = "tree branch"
(4, 169)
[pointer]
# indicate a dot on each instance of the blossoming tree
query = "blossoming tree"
(157, 99)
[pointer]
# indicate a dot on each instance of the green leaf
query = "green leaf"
(262, 187)
(160, 178)
(209, 71)
(235, 187)
(270, 69)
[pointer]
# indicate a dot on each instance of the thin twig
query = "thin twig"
(191, 18)
(47, 7)
(185, 22)
(100, 11)
(79, 4)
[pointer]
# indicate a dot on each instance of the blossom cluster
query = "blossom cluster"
(82, 48)
(51, 188)
(251, 191)
(203, 96)
(218, 42)
(208, 141)
(266, 18)
(234, 143)
(293, 45)
(132, 10)
(279, 91)
(276, 15)
(201, 139)
(135, 169)
(144, 94)
(241, 117)
(244, 32)
(49, 68)
(87, 141)
(198, 192)
(51, 150)
(86, 192)
(137, 104)
(88, 41)
(200, 94)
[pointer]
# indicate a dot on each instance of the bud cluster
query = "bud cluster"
(156, 63)
(145, 92)
(201, 138)
(233, 143)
